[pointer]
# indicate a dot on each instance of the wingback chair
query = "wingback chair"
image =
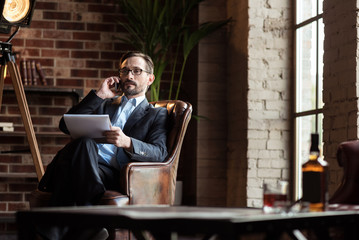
(146, 182)
(348, 158)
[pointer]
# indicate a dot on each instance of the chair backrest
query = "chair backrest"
(179, 116)
(348, 158)
(155, 182)
(179, 113)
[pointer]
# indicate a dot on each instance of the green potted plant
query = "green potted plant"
(160, 29)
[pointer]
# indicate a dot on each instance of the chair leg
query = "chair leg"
(119, 234)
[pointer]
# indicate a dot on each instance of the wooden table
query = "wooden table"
(227, 223)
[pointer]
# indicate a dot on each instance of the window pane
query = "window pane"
(305, 126)
(320, 7)
(320, 131)
(306, 9)
(320, 62)
(306, 68)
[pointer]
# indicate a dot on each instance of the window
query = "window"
(308, 115)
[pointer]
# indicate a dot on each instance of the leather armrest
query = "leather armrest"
(348, 158)
(148, 182)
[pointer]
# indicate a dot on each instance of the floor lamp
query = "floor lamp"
(18, 13)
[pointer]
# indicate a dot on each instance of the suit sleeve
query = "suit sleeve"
(88, 105)
(154, 148)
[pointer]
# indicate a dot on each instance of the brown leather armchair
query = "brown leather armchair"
(348, 158)
(145, 182)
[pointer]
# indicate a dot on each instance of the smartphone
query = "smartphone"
(117, 86)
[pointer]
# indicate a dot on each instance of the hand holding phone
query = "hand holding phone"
(106, 89)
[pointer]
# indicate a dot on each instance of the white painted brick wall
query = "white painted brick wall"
(269, 51)
(263, 114)
(257, 134)
(269, 154)
(269, 173)
(258, 124)
(255, 183)
(255, 193)
(264, 163)
(256, 143)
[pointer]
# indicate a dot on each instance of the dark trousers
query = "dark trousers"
(75, 177)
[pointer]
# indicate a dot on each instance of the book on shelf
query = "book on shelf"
(23, 72)
(6, 126)
(28, 69)
(41, 73)
(32, 73)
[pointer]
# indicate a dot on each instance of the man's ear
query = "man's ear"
(151, 79)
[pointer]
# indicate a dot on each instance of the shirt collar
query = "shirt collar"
(134, 101)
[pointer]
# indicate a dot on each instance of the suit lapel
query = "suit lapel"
(113, 106)
(136, 115)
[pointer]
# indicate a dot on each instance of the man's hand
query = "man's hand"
(118, 138)
(105, 88)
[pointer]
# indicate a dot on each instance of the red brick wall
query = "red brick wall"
(74, 42)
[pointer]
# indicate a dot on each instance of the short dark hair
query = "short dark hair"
(147, 58)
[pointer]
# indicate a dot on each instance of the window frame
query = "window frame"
(317, 111)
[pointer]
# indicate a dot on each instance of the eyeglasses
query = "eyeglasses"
(136, 71)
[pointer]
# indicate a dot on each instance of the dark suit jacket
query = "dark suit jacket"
(147, 126)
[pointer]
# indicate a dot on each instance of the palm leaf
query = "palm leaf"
(156, 27)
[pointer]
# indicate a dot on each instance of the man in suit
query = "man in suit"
(82, 171)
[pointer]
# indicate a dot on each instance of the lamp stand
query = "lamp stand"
(8, 62)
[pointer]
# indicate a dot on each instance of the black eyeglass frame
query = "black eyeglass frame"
(126, 71)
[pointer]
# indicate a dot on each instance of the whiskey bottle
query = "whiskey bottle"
(315, 178)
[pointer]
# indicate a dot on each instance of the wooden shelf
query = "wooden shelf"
(18, 175)
(38, 134)
(7, 217)
(75, 92)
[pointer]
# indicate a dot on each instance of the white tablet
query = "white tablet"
(87, 125)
